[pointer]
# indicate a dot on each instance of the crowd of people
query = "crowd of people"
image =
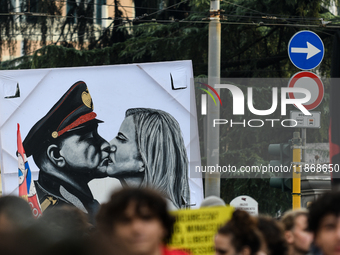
(137, 221)
(312, 231)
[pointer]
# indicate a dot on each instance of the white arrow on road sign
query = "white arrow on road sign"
(308, 43)
(311, 50)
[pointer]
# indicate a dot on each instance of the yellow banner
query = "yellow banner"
(195, 229)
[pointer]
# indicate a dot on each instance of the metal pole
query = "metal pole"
(296, 191)
(212, 180)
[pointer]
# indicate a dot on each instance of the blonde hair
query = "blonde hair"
(163, 152)
(288, 219)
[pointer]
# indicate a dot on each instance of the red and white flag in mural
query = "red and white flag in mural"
(26, 184)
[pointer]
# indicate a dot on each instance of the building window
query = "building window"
(71, 6)
(30, 6)
(99, 11)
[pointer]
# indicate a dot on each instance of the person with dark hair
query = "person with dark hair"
(297, 235)
(273, 236)
(136, 222)
(239, 235)
(15, 217)
(324, 222)
(65, 222)
(149, 151)
(63, 230)
(69, 152)
(15, 214)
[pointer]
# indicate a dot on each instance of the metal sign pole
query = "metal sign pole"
(212, 180)
(296, 191)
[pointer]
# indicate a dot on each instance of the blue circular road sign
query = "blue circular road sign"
(306, 50)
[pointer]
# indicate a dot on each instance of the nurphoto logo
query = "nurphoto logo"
(238, 99)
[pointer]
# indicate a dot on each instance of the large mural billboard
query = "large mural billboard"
(87, 131)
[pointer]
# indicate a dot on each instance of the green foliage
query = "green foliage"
(200, 4)
(7, 25)
(152, 42)
(247, 50)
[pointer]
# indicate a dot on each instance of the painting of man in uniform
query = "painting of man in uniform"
(69, 152)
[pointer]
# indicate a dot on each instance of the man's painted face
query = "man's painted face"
(328, 235)
(124, 151)
(85, 151)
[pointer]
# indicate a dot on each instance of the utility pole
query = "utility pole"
(296, 185)
(212, 180)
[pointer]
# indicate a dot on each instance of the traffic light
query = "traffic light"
(281, 165)
(285, 184)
